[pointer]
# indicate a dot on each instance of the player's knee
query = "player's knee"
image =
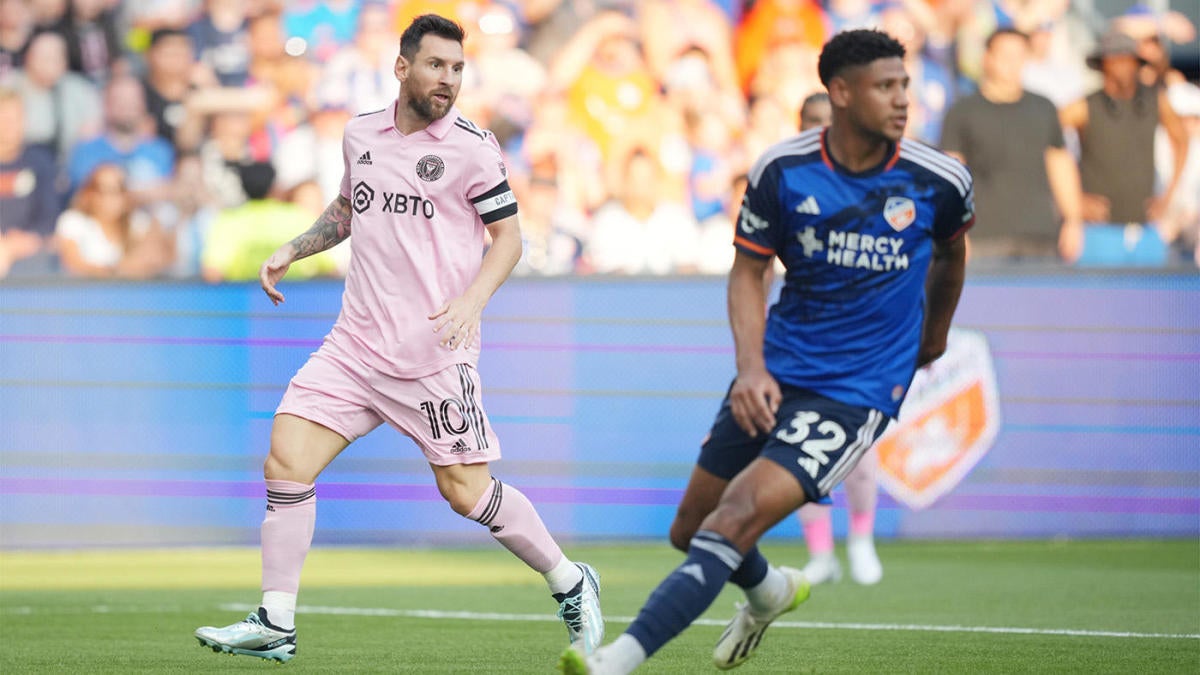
(682, 531)
(736, 521)
(279, 465)
(460, 497)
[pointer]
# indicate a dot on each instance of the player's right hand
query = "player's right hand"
(754, 400)
(272, 271)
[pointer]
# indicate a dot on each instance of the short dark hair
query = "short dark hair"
(161, 34)
(257, 179)
(851, 48)
(410, 39)
(1001, 32)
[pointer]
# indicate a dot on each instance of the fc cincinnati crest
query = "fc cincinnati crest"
(899, 212)
(430, 168)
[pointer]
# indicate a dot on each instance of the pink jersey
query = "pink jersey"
(420, 203)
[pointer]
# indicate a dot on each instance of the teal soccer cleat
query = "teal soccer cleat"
(252, 636)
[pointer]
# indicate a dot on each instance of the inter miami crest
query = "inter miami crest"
(362, 196)
(430, 168)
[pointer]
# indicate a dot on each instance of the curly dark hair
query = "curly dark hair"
(852, 48)
(410, 39)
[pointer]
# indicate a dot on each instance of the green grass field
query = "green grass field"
(1079, 607)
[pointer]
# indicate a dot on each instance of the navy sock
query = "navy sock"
(752, 571)
(686, 592)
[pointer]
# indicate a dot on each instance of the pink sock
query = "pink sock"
(862, 523)
(287, 533)
(818, 528)
(514, 522)
(862, 493)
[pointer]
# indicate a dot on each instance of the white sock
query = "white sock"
(281, 608)
(770, 593)
(563, 577)
(623, 655)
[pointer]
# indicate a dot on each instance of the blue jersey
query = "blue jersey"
(856, 247)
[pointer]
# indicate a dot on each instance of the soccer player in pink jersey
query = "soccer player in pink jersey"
(421, 185)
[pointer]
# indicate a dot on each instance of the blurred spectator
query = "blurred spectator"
(227, 147)
(770, 23)
(1055, 68)
(788, 73)
(612, 98)
(361, 76)
(1180, 222)
(323, 26)
(241, 238)
(186, 214)
(712, 169)
(767, 122)
(852, 14)
(640, 232)
(1154, 31)
(550, 229)
(502, 79)
(105, 235)
(48, 13)
(549, 25)
(168, 80)
(61, 107)
(935, 82)
(94, 45)
(673, 28)
(816, 111)
(610, 91)
(219, 37)
(16, 29)
(29, 202)
(128, 141)
(1012, 142)
(1116, 133)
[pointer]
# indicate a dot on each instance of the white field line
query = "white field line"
(549, 618)
(497, 616)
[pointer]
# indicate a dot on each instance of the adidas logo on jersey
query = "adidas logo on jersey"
(459, 447)
(809, 206)
(366, 159)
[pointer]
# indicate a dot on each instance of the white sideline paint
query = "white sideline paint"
(495, 616)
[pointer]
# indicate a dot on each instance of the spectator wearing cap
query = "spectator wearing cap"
(1116, 127)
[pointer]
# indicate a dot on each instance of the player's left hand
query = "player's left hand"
(460, 320)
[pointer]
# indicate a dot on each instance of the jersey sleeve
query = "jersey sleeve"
(957, 212)
(345, 187)
(487, 187)
(759, 223)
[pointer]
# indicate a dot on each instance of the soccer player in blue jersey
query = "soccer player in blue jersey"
(869, 228)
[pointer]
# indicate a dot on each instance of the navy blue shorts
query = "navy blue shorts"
(817, 439)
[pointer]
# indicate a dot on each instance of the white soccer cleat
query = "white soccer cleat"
(865, 567)
(745, 629)
(252, 637)
(580, 611)
(823, 568)
(575, 662)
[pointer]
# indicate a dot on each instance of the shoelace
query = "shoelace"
(571, 611)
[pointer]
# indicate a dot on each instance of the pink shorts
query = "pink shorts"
(441, 412)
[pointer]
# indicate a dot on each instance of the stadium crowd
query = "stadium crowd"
(188, 138)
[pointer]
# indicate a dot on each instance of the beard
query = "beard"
(424, 107)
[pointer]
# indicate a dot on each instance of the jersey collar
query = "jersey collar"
(887, 164)
(438, 128)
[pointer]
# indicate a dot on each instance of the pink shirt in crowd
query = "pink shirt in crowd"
(419, 206)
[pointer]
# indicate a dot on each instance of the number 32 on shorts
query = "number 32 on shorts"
(828, 436)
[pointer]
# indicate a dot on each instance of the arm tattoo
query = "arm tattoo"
(331, 228)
